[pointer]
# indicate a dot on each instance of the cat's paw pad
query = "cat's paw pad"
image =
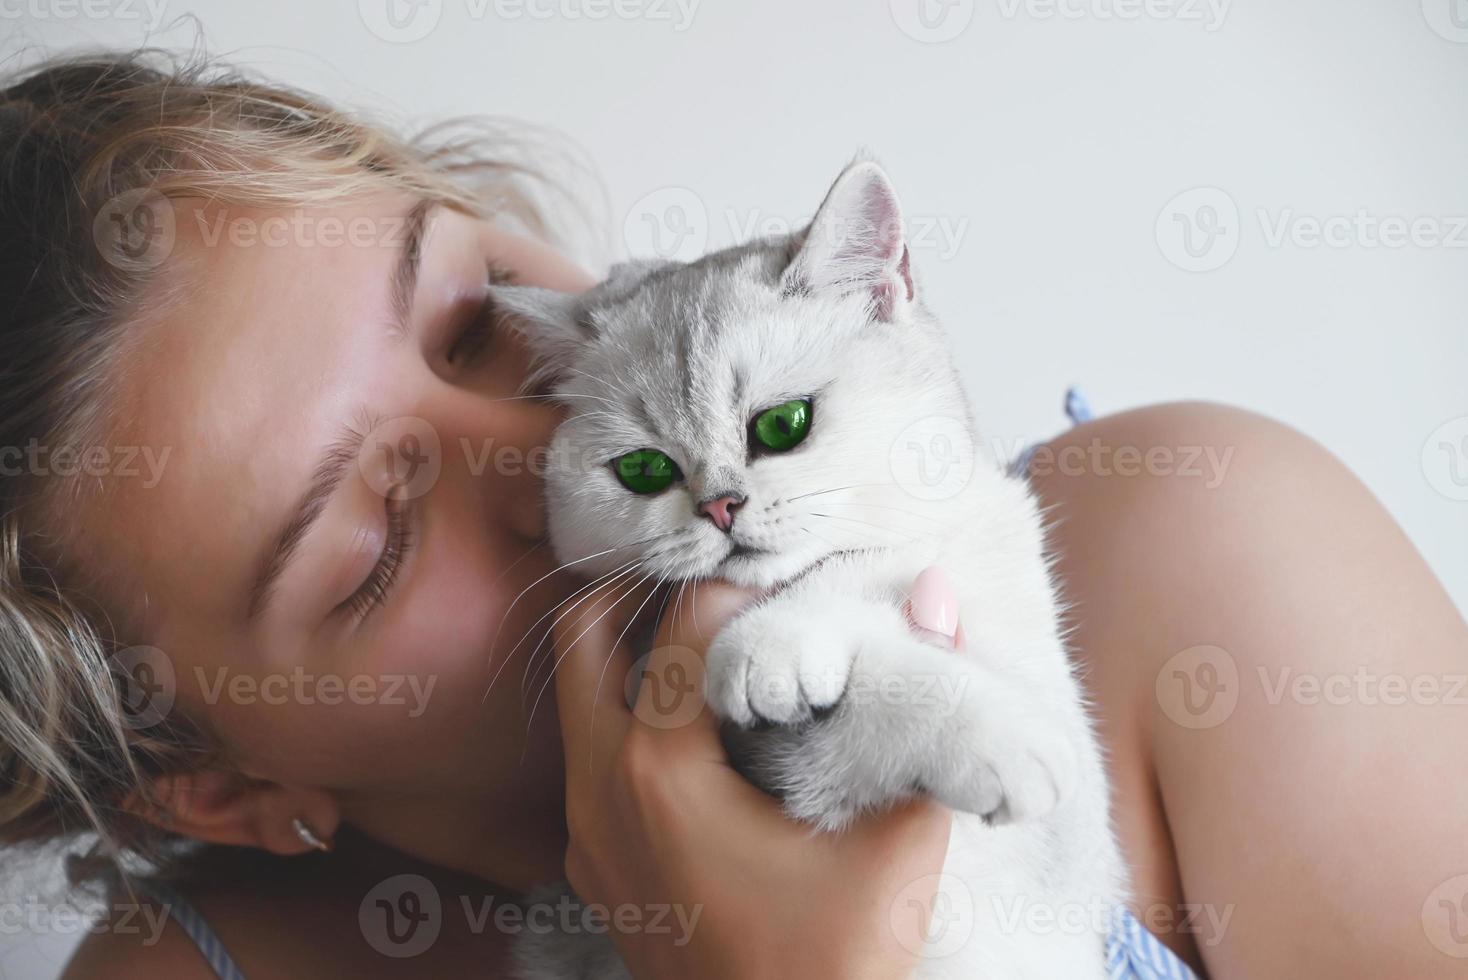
(765, 667)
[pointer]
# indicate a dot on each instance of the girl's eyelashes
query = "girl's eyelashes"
(468, 344)
(479, 331)
(373, 591)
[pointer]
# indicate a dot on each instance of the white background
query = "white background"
(1051, 138)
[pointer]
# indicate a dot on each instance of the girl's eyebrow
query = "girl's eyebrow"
(336, 459)
(333, 467)
(409, 265)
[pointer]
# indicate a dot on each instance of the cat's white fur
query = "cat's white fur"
(679, 358)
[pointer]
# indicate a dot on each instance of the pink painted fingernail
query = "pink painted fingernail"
(934, 603)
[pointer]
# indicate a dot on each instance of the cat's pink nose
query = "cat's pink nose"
(721, 510)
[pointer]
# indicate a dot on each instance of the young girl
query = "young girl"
(273, 583)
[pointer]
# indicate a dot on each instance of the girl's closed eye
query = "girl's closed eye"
(374, 590)
(468, 344)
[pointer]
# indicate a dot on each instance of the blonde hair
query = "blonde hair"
(76, 134)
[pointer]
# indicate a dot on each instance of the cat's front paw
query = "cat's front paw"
(780, 662)
(1017, 769)
(1010, 779)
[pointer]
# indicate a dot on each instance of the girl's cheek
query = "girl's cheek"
(447, 626)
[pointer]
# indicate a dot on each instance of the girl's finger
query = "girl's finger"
(671, 694)
(932, 608)
(592, 662)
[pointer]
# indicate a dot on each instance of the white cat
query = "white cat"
(786, 414)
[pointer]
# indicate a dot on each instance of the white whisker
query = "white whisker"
(534, 659)
(524, 636)
(557, 661)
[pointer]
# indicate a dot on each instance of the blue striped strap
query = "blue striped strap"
(1133, 953)
(195, 926)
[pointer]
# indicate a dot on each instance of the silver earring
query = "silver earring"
(308, 836)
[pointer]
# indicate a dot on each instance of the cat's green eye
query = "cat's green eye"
(646, 471)
(783, 427)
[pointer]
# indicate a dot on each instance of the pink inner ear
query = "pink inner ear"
(879, 246)
(884, 292)
(883, 217)
(856, 243)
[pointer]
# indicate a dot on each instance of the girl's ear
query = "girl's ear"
(220, 807)
(550, 322)
(855, 243)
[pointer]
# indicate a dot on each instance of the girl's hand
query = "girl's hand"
(658, 816)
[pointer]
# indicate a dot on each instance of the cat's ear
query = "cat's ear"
(623, 278)
(635, 270)
(550, 322)
(855, 243)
